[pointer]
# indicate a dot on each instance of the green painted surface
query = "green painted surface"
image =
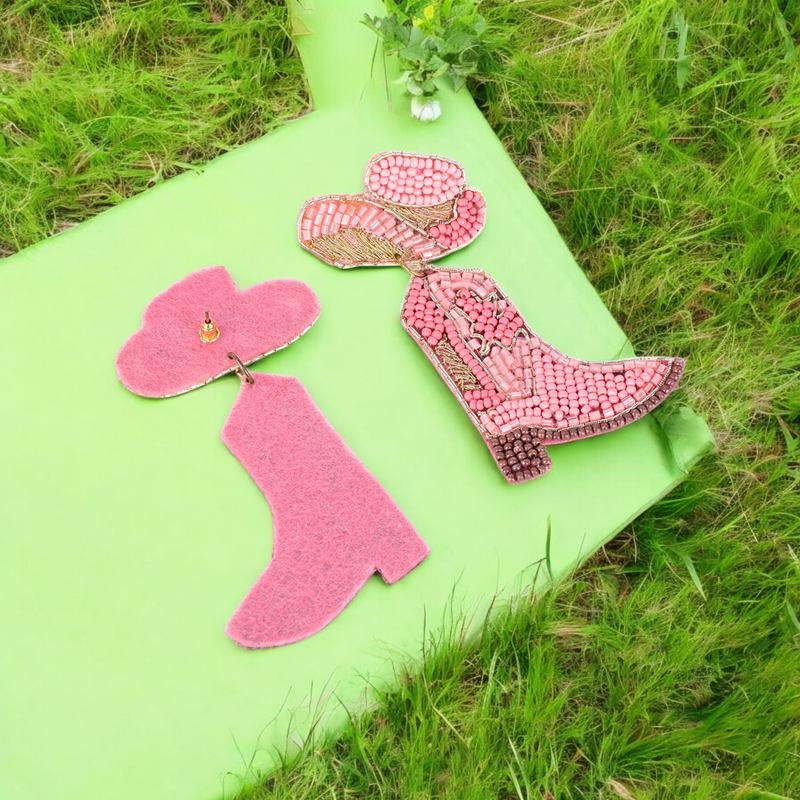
(128, 533)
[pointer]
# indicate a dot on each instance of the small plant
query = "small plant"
(431, 39)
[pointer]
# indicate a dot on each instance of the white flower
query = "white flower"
(425, 108)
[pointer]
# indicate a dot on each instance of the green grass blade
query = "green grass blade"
(548, 541)
(780, 21)
(692, 572)
(788, 435)
(684, 61)
(793, 615)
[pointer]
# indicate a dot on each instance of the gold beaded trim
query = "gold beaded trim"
(461, 374)
(423, 217)
(355, 245)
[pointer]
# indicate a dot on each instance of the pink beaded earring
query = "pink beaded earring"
(521, 393)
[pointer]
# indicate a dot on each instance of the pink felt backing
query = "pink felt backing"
(333, 523)
(166, 356)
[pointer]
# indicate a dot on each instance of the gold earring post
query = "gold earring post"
(209, 332)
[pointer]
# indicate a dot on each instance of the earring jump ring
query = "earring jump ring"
(409, 267)
(241, 369)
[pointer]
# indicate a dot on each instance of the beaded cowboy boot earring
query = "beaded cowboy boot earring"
(333, 524)
(521, 393)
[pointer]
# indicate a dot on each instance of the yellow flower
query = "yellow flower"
(428, 13)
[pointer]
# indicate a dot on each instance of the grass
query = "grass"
(664, 140)
(101, 99)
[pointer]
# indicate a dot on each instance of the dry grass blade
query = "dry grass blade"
(620, 789)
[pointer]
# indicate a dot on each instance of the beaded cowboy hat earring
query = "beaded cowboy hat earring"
(521, 393)
(333, 524)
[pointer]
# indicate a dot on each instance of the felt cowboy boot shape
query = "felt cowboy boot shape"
(333, 524)
(521, 393)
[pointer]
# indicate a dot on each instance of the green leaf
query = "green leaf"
(397, 10)
(437, 66)
(428, 87)
(448, 42)
(464, 69)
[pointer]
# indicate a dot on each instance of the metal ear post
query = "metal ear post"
(209, 332)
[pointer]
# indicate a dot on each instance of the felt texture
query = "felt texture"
(333, 524)
(166, 356)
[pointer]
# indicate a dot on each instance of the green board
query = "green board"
(128, 533)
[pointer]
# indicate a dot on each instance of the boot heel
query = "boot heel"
(520, 455)
(401, 556)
